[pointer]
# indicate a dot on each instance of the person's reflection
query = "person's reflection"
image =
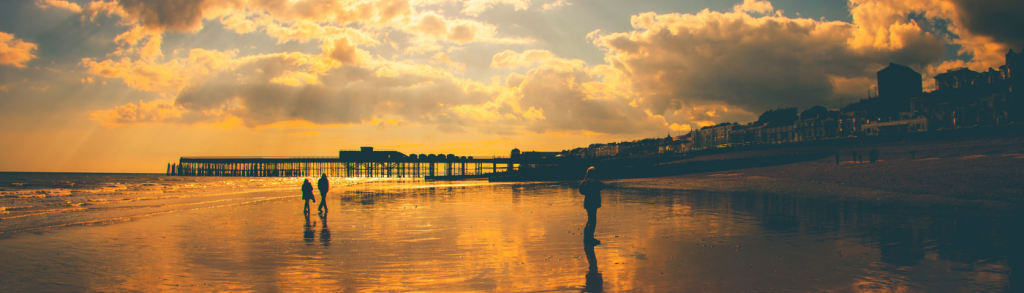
(308, 234)
(325, 233)
(595, 282)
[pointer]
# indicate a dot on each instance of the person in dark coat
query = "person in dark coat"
(307, 195)
(837, 158)
(591, 190)
(873, 156)
(323, 184)
(854, 155)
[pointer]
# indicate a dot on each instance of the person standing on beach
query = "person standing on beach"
(591, 190)
(837, 158)
(854, 155)
(307, 194)
(323, 185)
(873, 156)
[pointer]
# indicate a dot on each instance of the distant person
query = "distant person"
(307, 195)
(323, 184)
(591, 190)
(837, 158)
(873, 156)
(913, 153)
(854, 156)
(860, 159)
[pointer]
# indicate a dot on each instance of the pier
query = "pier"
(363, 163)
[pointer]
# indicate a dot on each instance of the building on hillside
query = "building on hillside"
(896, 127)
(956, 78)
(898, 81)
(745, 135)
(782, 133)
(534, 155)
(607, 150)
(815, 129)
(712, 137)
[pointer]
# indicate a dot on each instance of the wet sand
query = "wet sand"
(474, 236)
(976, 173)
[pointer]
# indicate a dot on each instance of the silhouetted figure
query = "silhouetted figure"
(913, 154)
(860, 159)
(307, 195)
(854, 156)
(595, 282)
(323, 185)
(837, 158)
(325, 233)
(873, 156)
(591, 190)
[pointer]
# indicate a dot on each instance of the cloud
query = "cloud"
(678, 62)
(273, 88)
(759, 6)
(999, 19)
(475, 7)
(15, 52)
(511, 59)
(168, 77)
(60, 4)
(154, 111)
(556, 4)
(173, 15)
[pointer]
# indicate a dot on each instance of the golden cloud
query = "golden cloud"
(15, 52)
(60, 4)
(154, 111)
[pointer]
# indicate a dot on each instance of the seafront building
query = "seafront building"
(962, 98)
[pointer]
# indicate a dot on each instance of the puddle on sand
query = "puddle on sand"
(525, 238)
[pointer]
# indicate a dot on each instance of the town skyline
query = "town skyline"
(125, 86)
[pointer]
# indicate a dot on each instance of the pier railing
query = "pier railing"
(369, 166)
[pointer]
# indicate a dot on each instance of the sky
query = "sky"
(131, 85)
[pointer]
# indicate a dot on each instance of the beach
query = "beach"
(976, 172)
(473, 236)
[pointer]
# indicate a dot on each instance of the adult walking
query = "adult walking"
(323, 184)
(591, 190)
(307, 195)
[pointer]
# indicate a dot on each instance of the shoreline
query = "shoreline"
(966, 173)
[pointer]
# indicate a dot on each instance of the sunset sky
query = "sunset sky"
(130, 85)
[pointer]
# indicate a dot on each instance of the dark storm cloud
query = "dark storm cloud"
(1003, 20)
(175, 15)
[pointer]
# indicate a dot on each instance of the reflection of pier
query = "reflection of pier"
(363, 163)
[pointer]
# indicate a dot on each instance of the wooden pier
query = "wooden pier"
(364, 163)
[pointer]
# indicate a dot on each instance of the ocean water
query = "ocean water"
(39, 201)
(414, 235)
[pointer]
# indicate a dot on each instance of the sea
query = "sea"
(32, 201)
